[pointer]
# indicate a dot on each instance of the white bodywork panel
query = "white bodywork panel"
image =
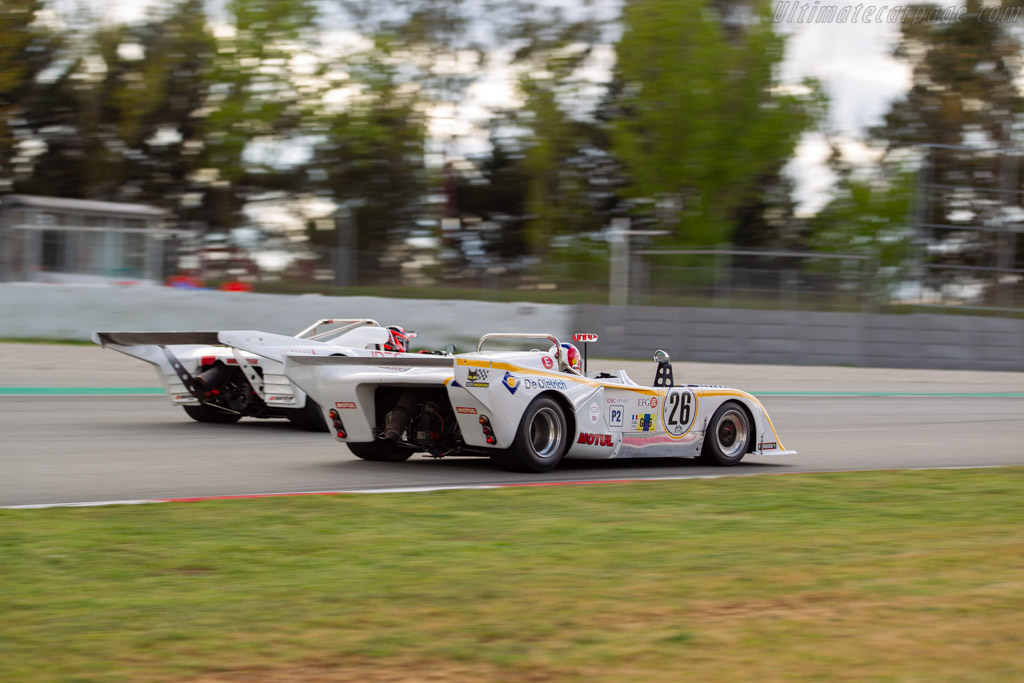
(608, 417)
(246, 348)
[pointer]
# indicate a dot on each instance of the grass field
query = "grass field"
(881, 576)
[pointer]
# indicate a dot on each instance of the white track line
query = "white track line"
(468, 487)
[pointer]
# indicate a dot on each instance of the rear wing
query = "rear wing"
(155, 338)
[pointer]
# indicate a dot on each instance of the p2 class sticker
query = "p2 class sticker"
(615, 414)
(678, 411)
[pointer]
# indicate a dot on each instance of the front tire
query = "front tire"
(380, 451)
(205, 413)
(309, 418)
(541, 441)
(728, 436)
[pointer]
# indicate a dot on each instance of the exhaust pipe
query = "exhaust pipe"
(400, 415)
(211, 378)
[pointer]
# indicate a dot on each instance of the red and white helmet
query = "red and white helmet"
(398, 339)
(571, 356)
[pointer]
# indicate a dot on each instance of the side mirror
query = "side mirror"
(661, 356)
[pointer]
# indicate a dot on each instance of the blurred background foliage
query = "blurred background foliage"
(356, 120)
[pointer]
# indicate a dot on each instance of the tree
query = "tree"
(369, 155)
(26, 50)
(868, 217)
(123, 121)
(701, 122)
(960, 115)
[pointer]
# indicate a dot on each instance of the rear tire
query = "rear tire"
(541, 440)
(380, 451)
(728, 436)
(205, 413)
(309, 418)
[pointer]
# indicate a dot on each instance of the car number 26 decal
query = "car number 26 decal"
(678, 411)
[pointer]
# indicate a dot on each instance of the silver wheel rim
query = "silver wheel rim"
(545, 433)
(731, 434)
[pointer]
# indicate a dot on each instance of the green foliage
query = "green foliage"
(963, 108)
(26, 49)
(254, 94)
(373, 150)
(701, 120)
(869, 215)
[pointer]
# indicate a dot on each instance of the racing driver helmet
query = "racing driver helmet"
(573, 357)
(398, 339)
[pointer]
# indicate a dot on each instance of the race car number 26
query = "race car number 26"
(677, 411)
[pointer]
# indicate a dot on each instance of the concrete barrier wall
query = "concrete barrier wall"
(29, 310)
(920, 340)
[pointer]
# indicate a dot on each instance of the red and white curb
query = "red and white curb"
(463, 487)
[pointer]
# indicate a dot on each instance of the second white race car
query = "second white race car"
(528, 409)
(214, 381)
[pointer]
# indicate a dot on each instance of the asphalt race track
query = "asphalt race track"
(63, 449)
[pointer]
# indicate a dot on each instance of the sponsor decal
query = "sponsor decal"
(511, 382)
(383, 354)
(581, 337)
(466, 410)
(643, 422)
(345, 405)
(477, 377)
(535, 383)
(615, 416)
(616, 401)
(547, 362)
(596, 439)
(647, 402)
(594, 412)
(767, 446)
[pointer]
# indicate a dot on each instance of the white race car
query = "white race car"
(215, 382)
(528, 409)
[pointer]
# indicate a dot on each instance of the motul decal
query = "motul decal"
(596, 439)
(345, 405)
(465, 410)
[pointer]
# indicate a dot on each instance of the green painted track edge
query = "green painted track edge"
(80, 391)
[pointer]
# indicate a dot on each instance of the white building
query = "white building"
(52, 239)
